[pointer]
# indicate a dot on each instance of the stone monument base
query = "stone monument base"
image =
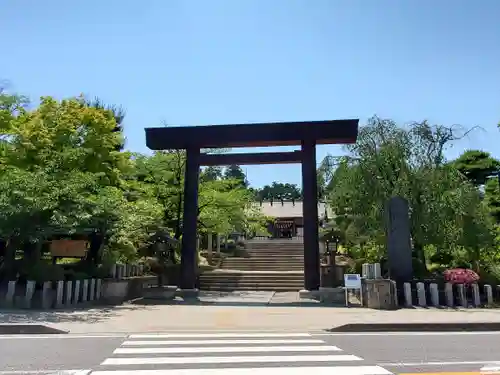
(380, 294)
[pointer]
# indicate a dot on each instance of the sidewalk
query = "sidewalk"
(144, 318)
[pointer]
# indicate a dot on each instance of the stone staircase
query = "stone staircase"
(268, 264)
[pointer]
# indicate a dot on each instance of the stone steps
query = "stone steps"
(268, 265)
(237, 280)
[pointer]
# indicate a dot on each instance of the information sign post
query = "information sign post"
(352, 282)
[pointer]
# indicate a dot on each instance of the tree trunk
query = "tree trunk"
(10, 252)
(94, 252)
(32, 252)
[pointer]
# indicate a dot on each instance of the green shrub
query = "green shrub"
(41, 272)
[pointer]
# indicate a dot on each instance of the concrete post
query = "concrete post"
(11, 292)
(422, 301)
(434, 294)
(461, 295)
(30, 291)
(92, 290)
(448, 293)
(476, 298)
(98, 289)
(69, 292)
(488, 291)
(59, 294)
(408, 296)
(85, 290)
(46, 289)
(76, 296)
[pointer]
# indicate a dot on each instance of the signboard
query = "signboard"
(68, 248)
(352, 281)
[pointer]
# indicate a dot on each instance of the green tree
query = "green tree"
(211, 173)
(391, 161)
(278, 190)
(234, 172)
(68, 135)
(63, 174)
(492, 198)
(476, 166)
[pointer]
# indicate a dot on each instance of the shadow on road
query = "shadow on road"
(83, 315)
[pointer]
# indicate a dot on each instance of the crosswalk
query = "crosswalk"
(232, 354)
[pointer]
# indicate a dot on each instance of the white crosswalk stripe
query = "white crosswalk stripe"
(232, 354)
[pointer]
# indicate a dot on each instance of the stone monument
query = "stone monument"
(399, 251)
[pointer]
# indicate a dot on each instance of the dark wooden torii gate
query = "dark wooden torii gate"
(306, 134)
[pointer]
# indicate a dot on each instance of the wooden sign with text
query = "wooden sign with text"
(68, 248)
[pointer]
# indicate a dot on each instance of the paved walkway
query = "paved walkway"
(159, 318)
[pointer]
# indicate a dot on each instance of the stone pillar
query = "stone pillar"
(46, 295)
(462, 300)
(85, 290)
(59, 294)
(408, 295)
(92, 290)
(69, 293)
(188, 252)
(76, 297)
(448, 292)
(11, 292)
(434, 294)
(113, 271)
(488, 291)
(476, 298)
(310, 215)
(30, 291)
(422, 300)
(98, 289)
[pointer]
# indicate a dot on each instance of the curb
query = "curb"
(416, 327)
(29, 329)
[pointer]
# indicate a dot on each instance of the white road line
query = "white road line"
(450, 363)
(442, 333)
(47, 372)
(60, 336)
(226, 349)
(246, 359)
(227, 342)
(340, 370)
(494, 369)
(215, 335)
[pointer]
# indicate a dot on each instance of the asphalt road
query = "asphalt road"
(31, 354)
(431, 352)
(401, 353)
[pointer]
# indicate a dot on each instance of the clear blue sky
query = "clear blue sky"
(237, 61)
